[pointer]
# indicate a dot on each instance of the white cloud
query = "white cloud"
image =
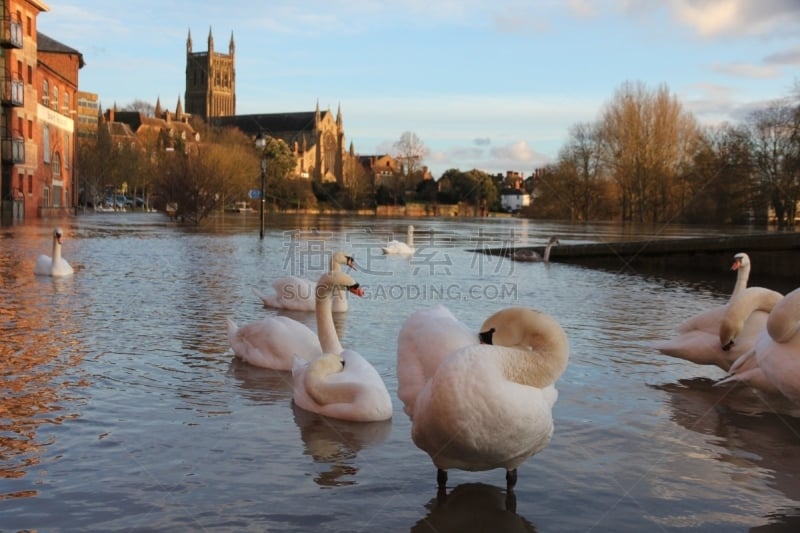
(711, 18)
(748, 70)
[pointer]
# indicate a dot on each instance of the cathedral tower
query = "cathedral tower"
(210, 81)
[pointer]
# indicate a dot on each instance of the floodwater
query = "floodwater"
(124, 409)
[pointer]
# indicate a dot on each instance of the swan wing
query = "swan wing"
(292, 293)
(272, 342)
(44, 265)
(425, 339)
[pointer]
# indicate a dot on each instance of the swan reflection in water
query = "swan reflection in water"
(759, 432)
(336, 443)
(263, 385)
(473, 507)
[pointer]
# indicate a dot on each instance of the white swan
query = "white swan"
(490, 405)
(273, 341)
(709, 320)
(399, 247)
(697, 338)
(777, 349)
(297, 294)
(344, 386)
(741, 320)
(528, 255)
(426, 338)
(55, 266)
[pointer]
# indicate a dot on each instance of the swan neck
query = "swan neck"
(326, 329)
(535, 368)
(547, 252)
(56, 251)
(410, 237)
(742, 274)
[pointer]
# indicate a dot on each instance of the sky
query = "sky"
(494, 85)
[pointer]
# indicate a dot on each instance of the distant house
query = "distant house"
(512, 200)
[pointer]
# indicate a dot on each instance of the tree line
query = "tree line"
(646, 159)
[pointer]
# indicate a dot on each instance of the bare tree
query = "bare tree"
(646, 140)
(411, 152)
(776, 155)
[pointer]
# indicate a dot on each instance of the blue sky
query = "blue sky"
(487, 84)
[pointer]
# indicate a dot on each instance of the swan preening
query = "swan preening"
(395, 247)
(55, 266)
(273, 341)
(775, 355)
(699, 338)
(297, 294)
(477, 406)
(528, 255)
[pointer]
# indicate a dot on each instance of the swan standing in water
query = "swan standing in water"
(777, 349)
(487, 406)
(297, 294)
(531, 256)
(55, 266)
(273, 341)
(399, 247)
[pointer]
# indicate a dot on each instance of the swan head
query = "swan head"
(342, 258)
(533, 333)
(326, 364)
(553, 241)
(740, 260)
(337, 281)
(57, 235)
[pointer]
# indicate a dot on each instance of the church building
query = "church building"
(315, 137)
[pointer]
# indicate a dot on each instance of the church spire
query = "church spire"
(231, 46)
(179, 109)
(189, 42)
(158, 111)
(210, 42)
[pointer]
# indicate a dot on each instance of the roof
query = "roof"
(48, 44)
(272, 124)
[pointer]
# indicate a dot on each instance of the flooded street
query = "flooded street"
(124, 408)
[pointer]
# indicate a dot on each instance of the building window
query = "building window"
(19, 70)
(30, 74)
(66, 102)
(46, 197)
(46, 143)
(55, 97)
(30, 129)
(45, 92)
(30, 183)
(21, 181)
(56, 165)
(30, 25)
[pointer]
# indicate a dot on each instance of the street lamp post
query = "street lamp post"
(261, 142)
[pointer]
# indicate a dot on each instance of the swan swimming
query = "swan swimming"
(273, 341)
(486, 406)
(55, 266)
(396, 247)
(526, 255)
(297, 294)
(338, 383)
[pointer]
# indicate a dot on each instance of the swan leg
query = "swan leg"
(511, 479)
(441, 478)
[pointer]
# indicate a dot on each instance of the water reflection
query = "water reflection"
(336, 443)
(261, 385)
(39, 353)
(758, 434)
(473, 507)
